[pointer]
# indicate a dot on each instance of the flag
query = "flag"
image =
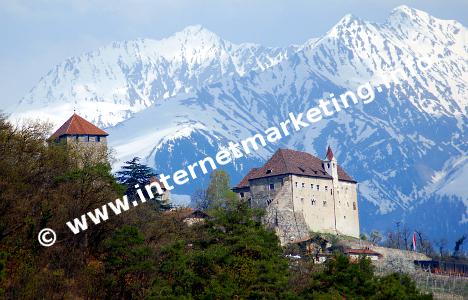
(414, 241)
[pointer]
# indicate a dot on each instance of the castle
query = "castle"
(81, 135)
(302, 193)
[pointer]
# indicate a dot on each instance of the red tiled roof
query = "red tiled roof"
(77, 125)
(155, 179)
(362, 251)
(185, 212)
(287, 161)
(245, 181)
(329, 153)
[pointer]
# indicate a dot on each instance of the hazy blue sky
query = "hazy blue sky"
(36, 35)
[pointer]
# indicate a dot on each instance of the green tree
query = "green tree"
(232, 257)
(347, 279)
(219, 192)
(128, 264)
(134, 173)
(398, 286)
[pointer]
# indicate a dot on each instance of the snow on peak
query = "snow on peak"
(348, 23)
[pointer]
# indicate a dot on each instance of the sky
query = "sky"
(37, 35)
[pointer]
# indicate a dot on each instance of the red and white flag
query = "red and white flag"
(414, 241)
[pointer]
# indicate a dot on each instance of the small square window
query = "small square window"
(296, 183)
(272, 186)
(313, 202)
(326, 188)
(268, 171)
(303, 185)
(242, 195)
(302, 200)
(324, 203)
(318, 187)
(311, 186)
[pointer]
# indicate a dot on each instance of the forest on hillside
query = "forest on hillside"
(146, 252)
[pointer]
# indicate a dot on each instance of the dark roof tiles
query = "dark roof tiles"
(287, 161)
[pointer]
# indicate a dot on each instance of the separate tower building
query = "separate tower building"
(87, 141)
(78, 130)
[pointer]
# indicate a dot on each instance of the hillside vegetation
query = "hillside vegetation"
(145, 252)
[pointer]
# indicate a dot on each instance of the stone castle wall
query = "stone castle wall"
(296, 205)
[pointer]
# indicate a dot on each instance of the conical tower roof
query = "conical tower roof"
(76, 125)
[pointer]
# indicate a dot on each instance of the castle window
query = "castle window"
(347, 203)
(324, 203)
(313, 202)
(272, 186)
(242, 195)
(302, 200)
(354, 205)
(326, 188)
(311, 186)
(303, 185)
(331, 191)
(98, 138)
(318, 187)
(328, 165)
(268, 171)
(296, 183)
(344, 217)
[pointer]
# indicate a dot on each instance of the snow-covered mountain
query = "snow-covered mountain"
(190, 94)
(108, 85)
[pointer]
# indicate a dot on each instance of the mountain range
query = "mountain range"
(175, 101)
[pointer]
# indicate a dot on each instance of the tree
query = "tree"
(425, 245)
(128, 264)
(200, 199)
(441, 244)
(232, 256)
(405, 234)
(458, 245)
(344, 279)
(132, 173)
(375, 237)
(219, 191)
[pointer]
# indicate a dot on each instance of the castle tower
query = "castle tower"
(330, 164)
(85, 140)
(77, 130)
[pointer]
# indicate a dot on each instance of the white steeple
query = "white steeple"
(330, 164)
